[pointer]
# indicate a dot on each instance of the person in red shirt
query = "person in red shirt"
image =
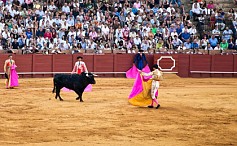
(48, 34)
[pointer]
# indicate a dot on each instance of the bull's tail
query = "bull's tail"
(54, 87)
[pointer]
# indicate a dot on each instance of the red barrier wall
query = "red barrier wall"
(222, 63)
(200, 63)
(184, 69)
(184, 63)
(235, 66)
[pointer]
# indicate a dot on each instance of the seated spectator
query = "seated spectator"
(210, 5)
(213, 41)
(185, 36)
(159, 44)
(217, 47)
(177, 42)
(204, 42)
(75, 50)
(220, 21)
(169, 43)
(193, 31)
(235, 47)
(195, 45)
(216, 32)
(208, 47)
(145, 46)
(56, 50)
(15, 44)
(231, 44)
(187, 45)
(227, 34)
(137, 42)
(223, 45)
(48, 34)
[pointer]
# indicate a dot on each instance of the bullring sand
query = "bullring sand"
(193, 112)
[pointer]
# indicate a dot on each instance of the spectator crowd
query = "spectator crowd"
(154, 26)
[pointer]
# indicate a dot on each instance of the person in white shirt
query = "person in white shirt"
(145, 46)
(196, 11)
(193, 31)
(52, 6)
(105, 31)
(217, 47)
(70, 21)
(66, 8)
(216, 32)
(137, 41)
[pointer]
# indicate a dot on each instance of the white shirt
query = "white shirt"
(137, 41)
(66, 9)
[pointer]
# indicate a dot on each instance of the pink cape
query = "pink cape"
(13, 80)
(133, 71)
(138, 87)
(87, 89)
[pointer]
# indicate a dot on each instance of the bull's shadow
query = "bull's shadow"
(74, 82)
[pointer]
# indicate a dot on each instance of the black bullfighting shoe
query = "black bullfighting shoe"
(158, 106)
(150, 106)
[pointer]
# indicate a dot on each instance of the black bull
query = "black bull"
(74, 82)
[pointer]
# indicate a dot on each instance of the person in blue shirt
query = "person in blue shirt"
(179, 30)
(194, 45)
(29, 34)
(213, 41)
(185, 36)
(140, 60)
(187, 44)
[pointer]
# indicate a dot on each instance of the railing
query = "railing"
(213, 72)
(39, 73)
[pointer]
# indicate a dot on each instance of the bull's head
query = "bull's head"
(90, 77)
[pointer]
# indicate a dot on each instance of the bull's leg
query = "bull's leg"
(79, 96)
(58, 93)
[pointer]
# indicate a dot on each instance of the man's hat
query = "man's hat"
(141, 51)
(155, 66)
(79, 57)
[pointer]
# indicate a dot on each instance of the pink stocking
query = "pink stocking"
(152, 102)
(155, 101)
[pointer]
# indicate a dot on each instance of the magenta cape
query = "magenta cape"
(13, 79)
(133, 71)
(141, 92)
(87, 89)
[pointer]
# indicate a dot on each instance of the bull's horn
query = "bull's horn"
(95, 75)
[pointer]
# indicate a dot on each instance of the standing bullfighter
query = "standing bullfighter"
(79, 66)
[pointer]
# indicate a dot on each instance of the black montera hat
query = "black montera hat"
(155, 66)
(140, 51)
(79, 57)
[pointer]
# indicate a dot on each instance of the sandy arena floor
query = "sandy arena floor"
(193, 112)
